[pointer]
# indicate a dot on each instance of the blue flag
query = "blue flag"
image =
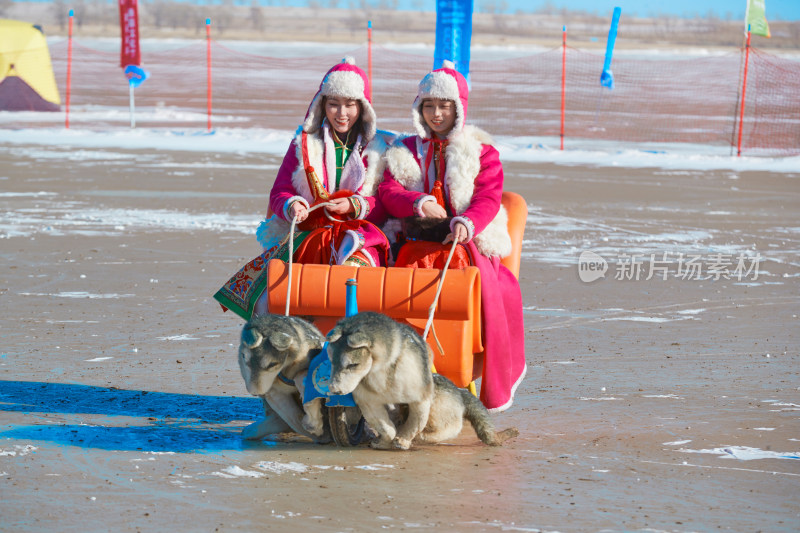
(607, 78)
(453, 34)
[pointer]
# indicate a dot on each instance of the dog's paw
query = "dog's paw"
(269, 425)
(401, 444)
(381, 444)
(314, 427)
(256, 430)
(323, 439)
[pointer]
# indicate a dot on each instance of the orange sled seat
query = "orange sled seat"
(404, 294)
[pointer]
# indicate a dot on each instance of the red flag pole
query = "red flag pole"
(744, 89)
(69, 66)
(208, 69)
(563, 80)
(369, 58)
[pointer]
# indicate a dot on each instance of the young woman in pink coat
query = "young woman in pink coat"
(335, 158)
(451, 171)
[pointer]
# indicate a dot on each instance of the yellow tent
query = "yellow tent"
(27, 82)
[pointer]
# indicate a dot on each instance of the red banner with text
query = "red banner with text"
(129, 26)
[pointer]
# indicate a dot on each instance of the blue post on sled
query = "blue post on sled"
(319, 371)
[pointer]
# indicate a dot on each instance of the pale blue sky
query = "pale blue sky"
(783, 9)
(724, 9)
(733, 9)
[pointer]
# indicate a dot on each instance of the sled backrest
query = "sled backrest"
(320, 291)
(517, 216)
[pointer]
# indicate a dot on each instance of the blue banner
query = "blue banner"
(607, 77)
(453, 34)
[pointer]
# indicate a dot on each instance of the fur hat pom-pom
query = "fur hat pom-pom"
(349, 60)
(448, 64)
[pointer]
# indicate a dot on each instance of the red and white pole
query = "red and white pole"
(208, 70)
(69, 67)
(744, 89)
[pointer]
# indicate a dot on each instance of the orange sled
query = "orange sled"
(318, 292)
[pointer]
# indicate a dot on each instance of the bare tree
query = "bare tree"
(103, 13)
(62, 13)
(257, 16)
(547, 9)
(224, 16)
(80, 12)
(157, 12)
(4, 6)
(488, 6)
(794, 32)
(177, 15)
(387, 5)
(197, 19)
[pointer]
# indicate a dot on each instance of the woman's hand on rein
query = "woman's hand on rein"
(299, 211)
(459, 233)
(341, 206)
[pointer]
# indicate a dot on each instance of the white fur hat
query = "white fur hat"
(348, 81)
(445, 83)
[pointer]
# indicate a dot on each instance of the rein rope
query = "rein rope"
(291, 251)
(432, 308)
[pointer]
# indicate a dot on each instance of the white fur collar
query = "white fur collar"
(463, 165)
(363, 171)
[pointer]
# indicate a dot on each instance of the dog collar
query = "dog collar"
(286, 380)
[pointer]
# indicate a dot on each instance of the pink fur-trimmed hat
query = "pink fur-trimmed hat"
(348, 81)
(445, 83)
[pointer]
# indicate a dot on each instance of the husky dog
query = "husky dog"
(385, 364)
(274, 355)
(382, 362)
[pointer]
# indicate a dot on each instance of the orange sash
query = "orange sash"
(437, 190)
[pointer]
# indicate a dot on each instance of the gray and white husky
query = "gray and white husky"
(386, 364)
(274, 354)
(383, 363)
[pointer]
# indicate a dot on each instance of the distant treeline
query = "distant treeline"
(346, 20)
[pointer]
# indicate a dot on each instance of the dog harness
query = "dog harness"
(286, 380)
